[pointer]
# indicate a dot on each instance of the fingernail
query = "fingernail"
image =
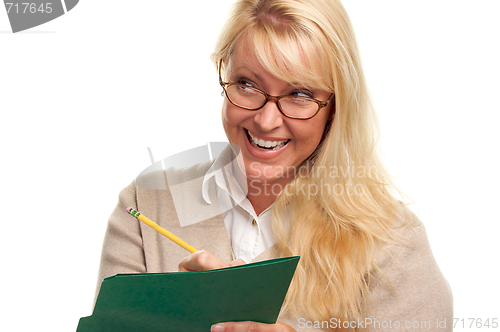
(217, 328)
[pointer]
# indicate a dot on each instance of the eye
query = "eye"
(242, 89)
(247, 87)
(245, 82)
(302, 93)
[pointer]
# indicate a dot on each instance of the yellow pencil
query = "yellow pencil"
(160, 230)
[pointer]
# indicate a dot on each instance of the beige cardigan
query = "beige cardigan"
(418, 294)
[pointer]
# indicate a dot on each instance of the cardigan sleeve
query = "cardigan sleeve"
(410, 293)
(122, 250)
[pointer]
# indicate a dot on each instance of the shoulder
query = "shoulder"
(410, 238)
(410, 245)
(155, 177)
(152, 190)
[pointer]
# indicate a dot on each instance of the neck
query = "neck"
(262, 195)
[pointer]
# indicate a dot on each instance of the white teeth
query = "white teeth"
(267, 144)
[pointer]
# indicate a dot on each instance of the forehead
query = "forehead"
(290, 63)
(243, 56)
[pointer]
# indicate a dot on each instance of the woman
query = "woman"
(297, 108)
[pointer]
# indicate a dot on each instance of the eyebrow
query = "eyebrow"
(246, 68)
(257, 76)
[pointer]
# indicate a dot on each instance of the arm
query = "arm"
(122, 250)
(412, 288)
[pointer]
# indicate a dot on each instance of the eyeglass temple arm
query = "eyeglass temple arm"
(220, 73)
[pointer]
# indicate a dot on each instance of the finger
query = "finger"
(200, 261)
(251, 327)
(237, 262)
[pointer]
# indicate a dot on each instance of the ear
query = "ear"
(332, 108)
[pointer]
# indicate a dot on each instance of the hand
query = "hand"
(203, 260)
(251, 327)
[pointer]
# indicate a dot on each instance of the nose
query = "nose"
(269, 117)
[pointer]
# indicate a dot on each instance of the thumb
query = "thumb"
(237, 262)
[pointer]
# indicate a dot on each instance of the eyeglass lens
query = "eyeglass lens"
(253, 99)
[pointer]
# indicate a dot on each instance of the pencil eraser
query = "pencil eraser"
(128, 209)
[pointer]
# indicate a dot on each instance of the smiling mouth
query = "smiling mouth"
(266, 145)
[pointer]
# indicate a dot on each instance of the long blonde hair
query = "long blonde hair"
(346, 209)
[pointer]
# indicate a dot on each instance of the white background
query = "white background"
(83, 96)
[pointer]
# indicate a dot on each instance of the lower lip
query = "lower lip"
(262, 154)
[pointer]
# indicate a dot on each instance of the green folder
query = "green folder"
(191, 301)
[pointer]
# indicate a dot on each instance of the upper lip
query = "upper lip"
(264, 138)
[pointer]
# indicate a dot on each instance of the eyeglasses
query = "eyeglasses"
(252, 99)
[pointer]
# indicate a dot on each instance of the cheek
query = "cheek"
(230, 121)
(226, 117)
(233, 117)
(309, 137)
(223, 116)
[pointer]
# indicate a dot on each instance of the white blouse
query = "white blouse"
(250, 234)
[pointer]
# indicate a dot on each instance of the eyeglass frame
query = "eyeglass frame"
(275, 99)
